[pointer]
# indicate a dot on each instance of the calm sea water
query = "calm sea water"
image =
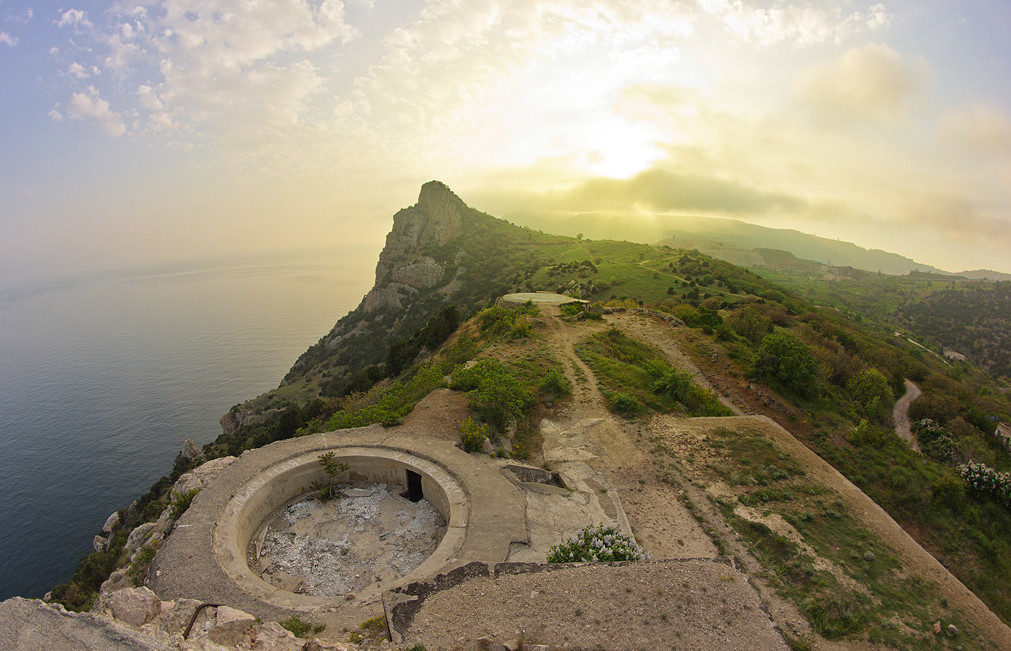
(102, 380)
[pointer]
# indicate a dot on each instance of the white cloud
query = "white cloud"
(55, 116)
(870, 82)
(799, 23)
(89, 105)
(979, 127)
(78, 71)
(7, 39)
(73, 18)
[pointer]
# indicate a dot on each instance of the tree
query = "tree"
(332, 468)
(785, 359)
(871, 389)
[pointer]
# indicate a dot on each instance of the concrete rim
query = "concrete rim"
(234, 529)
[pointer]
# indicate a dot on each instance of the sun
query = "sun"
(616, 148)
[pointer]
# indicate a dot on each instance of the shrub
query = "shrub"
(624, 404)
(181, 502)
(472, 435)
(870, 388)
(555, 384)
(598, 544)
(495, 393)
(785, 359)
(301, 628)
(138, 568)
(985, 481)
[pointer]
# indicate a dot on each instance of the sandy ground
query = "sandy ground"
(692, 604)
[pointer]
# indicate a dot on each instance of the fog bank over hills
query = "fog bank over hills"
(730, 239)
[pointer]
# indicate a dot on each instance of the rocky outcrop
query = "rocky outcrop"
(30, 625)
(135, 606)
(403, 266)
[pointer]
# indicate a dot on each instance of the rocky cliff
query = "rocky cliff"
(439, 253)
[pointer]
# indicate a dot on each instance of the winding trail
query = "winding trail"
(900, 414)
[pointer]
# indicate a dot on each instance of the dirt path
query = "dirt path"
(900, 414)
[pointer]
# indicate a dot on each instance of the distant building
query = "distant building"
(952, 355)
(1004, 434)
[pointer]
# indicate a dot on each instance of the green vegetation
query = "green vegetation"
(301, 628)
(496, 394)
(787, 361)
(138, 568)
(332, 467)
(181, 502)
(472, 435)
(864, 593)
(634, 376)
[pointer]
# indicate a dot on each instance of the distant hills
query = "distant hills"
(729, 239)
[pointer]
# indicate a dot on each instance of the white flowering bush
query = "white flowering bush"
(598, 544)
(982, 479)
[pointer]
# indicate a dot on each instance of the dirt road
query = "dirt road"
(900, 414)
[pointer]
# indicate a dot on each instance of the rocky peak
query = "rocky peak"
(443, 209)
(436, 219)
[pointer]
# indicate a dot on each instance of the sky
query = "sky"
(158, 131)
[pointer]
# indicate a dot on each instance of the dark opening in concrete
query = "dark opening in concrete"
(414, 491)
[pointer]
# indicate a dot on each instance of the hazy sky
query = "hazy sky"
(151, 131)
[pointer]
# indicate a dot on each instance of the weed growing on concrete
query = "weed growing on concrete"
(300, 628)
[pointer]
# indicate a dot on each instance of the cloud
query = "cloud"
(660, 190)
(980, 128)
(78, 71)
(798, 23)
(73, 18)
(89, 105)
(7, 39)
(866, 83)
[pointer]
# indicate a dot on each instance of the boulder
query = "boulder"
(111, 522)
(277, 638)
(99, 543)
(232, 626)
(190, 450)
(201, 476)
(135, 606)
(139, 536)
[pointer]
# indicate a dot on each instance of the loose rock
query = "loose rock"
(135, 606)
(232, 626)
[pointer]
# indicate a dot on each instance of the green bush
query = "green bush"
(870, 388)
(785, 359)
(624, 404)
(598, 544)
(181, 502)
(300, 628)
(555, 384)
(472, 435)
(497, 395)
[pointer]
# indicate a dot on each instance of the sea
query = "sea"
(103, 378)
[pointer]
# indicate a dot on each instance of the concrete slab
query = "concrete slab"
(204, 557)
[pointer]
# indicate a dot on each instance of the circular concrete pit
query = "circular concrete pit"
(206, 557)
(243, 530)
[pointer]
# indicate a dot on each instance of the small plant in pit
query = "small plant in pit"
(603, 543)
(300, 628)
(332, 468)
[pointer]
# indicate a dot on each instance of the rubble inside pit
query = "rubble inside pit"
(367, 537)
